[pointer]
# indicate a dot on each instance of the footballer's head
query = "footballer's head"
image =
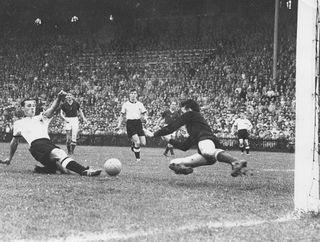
(190, 105)
(173, 105)
(69, 97)
(28, 106)
(242, 114)
(133, 94)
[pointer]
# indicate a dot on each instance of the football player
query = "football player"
(34, 129)
(135, 113)
(200, 135)
(69, 113)
(167, 117)
(243, 126)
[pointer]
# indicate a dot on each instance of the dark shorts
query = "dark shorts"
(243, 134)
(134, 126)
(40, 149)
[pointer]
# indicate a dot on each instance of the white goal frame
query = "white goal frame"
(306, 175)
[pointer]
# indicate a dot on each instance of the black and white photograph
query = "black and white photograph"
(159, 120)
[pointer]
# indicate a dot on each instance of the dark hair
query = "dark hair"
(133, 90)
(193, 105)
(27, 99)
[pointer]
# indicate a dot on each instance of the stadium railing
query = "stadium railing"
(278, 145)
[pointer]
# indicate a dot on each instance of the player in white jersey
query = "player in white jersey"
(243, 126)
(135, 113)
(34, 129)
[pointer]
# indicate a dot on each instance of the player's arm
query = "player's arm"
(82, 116)
(184, 146)
(54, 106)
(249, 125)
(159, 122)
(144, 117)
(13, 147)
(144, 113)
(63, 115)
(120, 120)
(121, 116)
(173, 126)
(233, 128)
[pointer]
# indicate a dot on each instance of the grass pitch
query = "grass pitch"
(148, 202)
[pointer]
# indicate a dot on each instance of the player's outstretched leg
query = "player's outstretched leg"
(70, 164)
(179, 167)
(239, 167)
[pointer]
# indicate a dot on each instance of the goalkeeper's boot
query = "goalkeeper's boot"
(239, 168)
(180, 169)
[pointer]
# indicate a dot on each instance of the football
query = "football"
(112, 166)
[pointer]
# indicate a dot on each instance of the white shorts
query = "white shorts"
(72, 125)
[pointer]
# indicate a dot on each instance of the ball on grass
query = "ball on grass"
(112, 166)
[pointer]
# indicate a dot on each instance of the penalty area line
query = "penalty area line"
(115, 235)
(278, 170)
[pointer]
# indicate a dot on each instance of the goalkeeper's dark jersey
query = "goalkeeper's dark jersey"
(197, 128)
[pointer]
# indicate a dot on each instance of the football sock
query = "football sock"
(247, 150)
(171, 151)
(167, 150)
(72, 148)
(69, 148)
(75, 167)
(225, 157)
(136, 151)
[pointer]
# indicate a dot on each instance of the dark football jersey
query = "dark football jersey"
(196, 126)
(169, 116)
(70, 110)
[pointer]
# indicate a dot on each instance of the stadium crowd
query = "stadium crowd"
(226, 70)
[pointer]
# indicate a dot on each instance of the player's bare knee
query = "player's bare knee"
(210, 157)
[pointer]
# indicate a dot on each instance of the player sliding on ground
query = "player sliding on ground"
(201, 136)
(34, 129)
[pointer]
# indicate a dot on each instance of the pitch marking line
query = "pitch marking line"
(277, 170)
(107, 236)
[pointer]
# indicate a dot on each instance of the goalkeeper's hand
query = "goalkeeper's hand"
(148, 133)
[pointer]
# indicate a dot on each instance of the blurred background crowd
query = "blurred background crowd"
(219, 54)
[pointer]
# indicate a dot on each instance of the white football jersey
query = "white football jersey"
(243, 124)
(133, 110)
(32, 128)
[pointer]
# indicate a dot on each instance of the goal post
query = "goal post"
(306, 175)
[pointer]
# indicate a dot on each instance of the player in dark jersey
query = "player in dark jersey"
(69, 113)
(40, 104)
(200, 135)
(167, 117)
